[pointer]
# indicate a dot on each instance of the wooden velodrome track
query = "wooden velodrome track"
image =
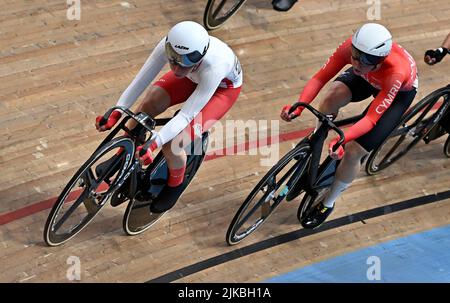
(57, 75)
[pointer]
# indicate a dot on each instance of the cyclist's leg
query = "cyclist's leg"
(155, 102)
(388, 121)
(346, 88)
(337, 96)
(346, 172)
(219, 104)
(356, 150)
(352, 88)
(178, 90)
(164, 93)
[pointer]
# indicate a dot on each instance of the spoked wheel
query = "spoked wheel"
(310, 200)
(219, 11)
(413, 127)
(138, 217)
(447, 147)
(267, 195)
(87, 192)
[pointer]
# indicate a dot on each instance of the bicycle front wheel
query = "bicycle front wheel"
(267, 195)
(87, 192)
(219, 11)
(415, 125)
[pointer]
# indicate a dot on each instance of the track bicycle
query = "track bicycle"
(299, 171)
(113, 174)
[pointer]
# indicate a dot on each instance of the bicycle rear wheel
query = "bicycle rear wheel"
(270, 191)
(138, 217)
(86, 193)
(415, 125)
(219, 11)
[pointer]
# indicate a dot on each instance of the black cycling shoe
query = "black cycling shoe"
(167, 198)
(317, 216)
(283, 5)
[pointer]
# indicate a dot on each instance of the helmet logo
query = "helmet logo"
(182, 47)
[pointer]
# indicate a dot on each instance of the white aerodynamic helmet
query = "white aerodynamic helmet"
(371, 43)
(186, 43)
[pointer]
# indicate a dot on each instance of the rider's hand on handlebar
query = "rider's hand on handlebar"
(288, 117)
(339, 153)
(434, 56)
(101, 124)
(146, 158)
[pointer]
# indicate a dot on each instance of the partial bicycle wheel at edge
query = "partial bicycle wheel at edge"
(86, 193)
(413, 127)
(447, 147)
(267, 195)
(219, 11)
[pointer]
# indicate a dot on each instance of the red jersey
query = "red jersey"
(398, 72)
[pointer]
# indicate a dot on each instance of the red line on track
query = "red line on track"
(39, 206)
(46, 204)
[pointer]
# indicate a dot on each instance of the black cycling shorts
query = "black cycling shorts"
(361, 90)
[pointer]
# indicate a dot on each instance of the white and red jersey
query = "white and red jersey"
(221, 59)
(398, 72)
(219, 68)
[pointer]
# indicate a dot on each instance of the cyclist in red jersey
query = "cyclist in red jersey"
(435, 56)
(380, 68)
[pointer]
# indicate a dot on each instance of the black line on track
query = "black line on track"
(301, 233)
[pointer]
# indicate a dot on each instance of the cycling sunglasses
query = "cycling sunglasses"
(365, 59)
(186, 60)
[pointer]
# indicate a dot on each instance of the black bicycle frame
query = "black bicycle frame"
(141, 118)
(318, 173)
(444, 107)
(149, 124)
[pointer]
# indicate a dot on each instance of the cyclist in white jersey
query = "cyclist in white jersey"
(205, 75)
